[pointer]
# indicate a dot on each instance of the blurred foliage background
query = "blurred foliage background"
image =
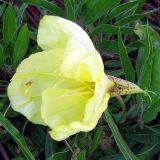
(127, 35)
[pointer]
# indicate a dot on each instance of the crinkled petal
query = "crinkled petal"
(56, 32)
(61, 132)
(68, 111)
(61, 107)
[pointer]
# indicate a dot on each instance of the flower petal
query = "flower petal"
(33, 75)
(28, 106)
(68, 111)
(56, 32)
(90, 69)
(97, 105)
(62, 106)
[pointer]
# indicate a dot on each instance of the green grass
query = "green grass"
(130, 49)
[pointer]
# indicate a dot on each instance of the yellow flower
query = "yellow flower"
(64, 86)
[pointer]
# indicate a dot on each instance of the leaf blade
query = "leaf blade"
(127, 153)
(125, 61)
(9, 24)
(47, 5)
(16, 136)
(21, 44)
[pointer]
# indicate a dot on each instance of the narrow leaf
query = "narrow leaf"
(70, 10)
(107, 28)
(9, 24)
(1, 56)
(148, 152)
(95, 9)
(135, 17)
(21, 44)
(60, 156)
(120, 9)
(81, 155)
(146, 70)
(152, 112)
(49, 147)
(125, 61)
(96, 139)
(46, 5)
(16, 136)
(127, 153)
(20, 14)
(2, 8)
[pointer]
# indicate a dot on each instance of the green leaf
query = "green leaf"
(60, 156)
(116, 73)
(152, 112)
(146, 69)
(96, 139)
(38, 150)
(143, 136)
(20, 14)
(135, 17)
(113, 157)
(127, 153)
(16, 136)
(1, 56)
(53, 8)
(9, 24)
(109, 46)
(2, 8)
(21, 44)
(125, 61)
(120, 9)
(140, 6)
(143, 30)
(148, 151)
(70, 10)
(81, 155)
(107, 28)
(49, 147)
(96, 9)
(156, 70)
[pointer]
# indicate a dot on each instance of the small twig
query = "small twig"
(3, 152)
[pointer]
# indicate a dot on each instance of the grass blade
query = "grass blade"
(127, 153)
(126, 63)
(16, 136)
